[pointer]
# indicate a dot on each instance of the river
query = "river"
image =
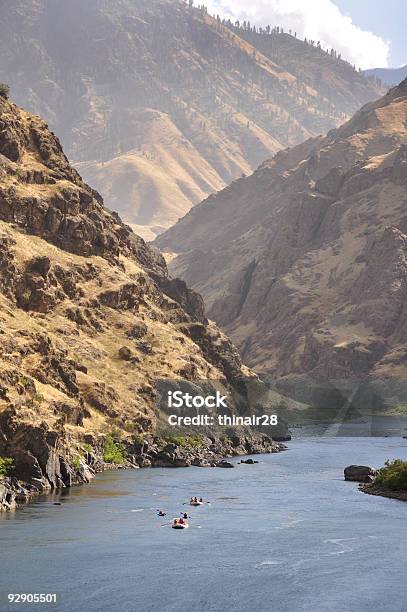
(287, 534)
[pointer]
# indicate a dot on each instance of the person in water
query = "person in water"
(185, 515)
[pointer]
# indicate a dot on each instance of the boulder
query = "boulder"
(12, 493)
(200, 463)
(144, 347)
(125, 353)
(137, 331)
(7, 497)
(224, 464)
(144, 461)
(359, 473)
(179, 462)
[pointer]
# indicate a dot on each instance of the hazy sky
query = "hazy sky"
(369, 33)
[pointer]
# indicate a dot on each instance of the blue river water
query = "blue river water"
(285, 535)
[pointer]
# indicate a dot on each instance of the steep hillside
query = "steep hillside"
(163, 103)
(304, 263)
(136, 181)
(89, 322)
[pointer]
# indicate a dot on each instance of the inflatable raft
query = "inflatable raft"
(176, 524)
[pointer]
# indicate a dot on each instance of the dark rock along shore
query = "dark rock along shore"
(366, 476)
(359, 473)
(152, 452)
(375, 489)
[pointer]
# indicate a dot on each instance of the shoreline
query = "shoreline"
(148, 454)
(153, 453)
(378, 490)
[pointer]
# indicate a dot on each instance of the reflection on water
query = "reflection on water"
(90, 491)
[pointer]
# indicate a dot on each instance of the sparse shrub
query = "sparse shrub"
(76, 462)
(185, 441)
(4, 91)
(114, 452)
(35, 400)
(3, 392)
(137, 439)
(393, 475)
(133, 428)
(24, 381)
(6, 466)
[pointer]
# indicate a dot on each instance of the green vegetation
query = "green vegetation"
(133, 428)
(393, 475)
(114, 452)
(398, 410)
(76, 462)
(24, 381)
(4, 91)
(224, 438)
(87, 448)
(35, 401)
(6, 466)
(136, 438)
(185, 441)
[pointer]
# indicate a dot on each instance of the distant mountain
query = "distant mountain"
(388, 76)
(161, 104)
(304, 263)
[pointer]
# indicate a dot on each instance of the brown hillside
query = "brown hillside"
(89, 320)
(160, 104)
(304, 262)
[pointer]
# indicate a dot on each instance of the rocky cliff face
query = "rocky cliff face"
(163, 104)
(304, 262)
(89, 320)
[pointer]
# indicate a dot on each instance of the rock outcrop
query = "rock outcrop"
(304, 263)
(375, 489)
(359, 473)
(89, 321)
(156, 452)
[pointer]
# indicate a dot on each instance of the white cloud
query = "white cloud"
(316, 19)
